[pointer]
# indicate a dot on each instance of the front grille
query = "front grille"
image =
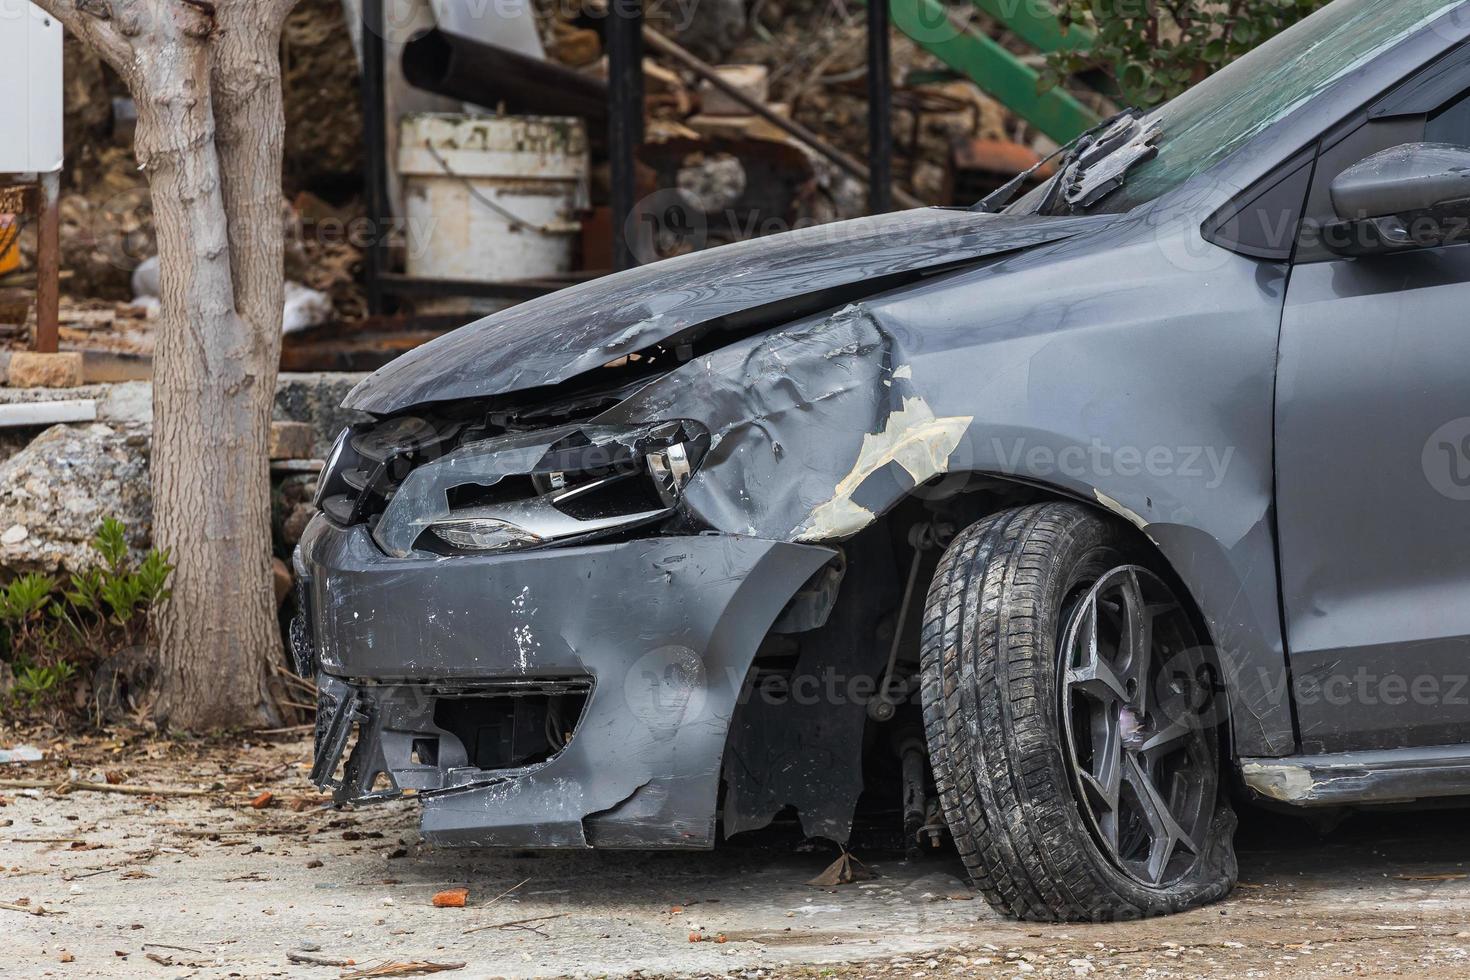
(512, 725)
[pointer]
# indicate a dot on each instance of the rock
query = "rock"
(316, 399)
(841, 195)
(128, 401)
(294, 526)
(291, 440)
(104, 470)
(291, 508)
(715, 180)
(31, 370)
(752, 81)
(930, 181)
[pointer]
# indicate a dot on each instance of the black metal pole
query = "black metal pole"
(624, 40)
(375, 153)
(880, 110)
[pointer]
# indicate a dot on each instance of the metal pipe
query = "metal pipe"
(48, 263)
(625, 120)
(375, 152)
(491, 76)
(913, 762)
(880, 109)
(791, 127)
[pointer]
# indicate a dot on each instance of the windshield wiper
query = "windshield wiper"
(1102, 167)
(998, 199)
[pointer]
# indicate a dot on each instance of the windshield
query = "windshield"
(1210, 121)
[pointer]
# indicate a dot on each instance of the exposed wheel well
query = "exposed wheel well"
(847, 645)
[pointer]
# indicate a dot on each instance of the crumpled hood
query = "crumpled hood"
(558, 337)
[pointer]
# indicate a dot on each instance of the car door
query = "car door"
(1373, 459)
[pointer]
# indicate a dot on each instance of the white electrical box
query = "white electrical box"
(30, 89)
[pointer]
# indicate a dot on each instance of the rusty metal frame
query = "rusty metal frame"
(40, 196)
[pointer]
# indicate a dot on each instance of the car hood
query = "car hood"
(555, 338)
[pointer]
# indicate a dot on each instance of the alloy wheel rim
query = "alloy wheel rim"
(1142, 760)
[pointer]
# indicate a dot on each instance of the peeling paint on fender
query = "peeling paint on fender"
(914, 439)
(1117, 508)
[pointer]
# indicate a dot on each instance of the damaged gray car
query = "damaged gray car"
(1052, 525)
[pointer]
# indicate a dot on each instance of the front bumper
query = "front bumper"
(659, 634)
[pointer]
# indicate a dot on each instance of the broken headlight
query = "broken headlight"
(571, 483)
(367, 464)
(484, 534)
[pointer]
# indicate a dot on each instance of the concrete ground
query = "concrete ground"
(209, 886)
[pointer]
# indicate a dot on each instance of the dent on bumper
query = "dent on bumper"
(665, 629)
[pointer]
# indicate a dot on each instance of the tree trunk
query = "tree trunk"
(206, 80)
(211, 506)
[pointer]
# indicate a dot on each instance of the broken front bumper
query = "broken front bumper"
(628, 657)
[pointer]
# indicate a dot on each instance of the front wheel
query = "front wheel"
(1077, 769)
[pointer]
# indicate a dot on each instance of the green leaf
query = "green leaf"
(111, 542)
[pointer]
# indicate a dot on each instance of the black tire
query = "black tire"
(1000, 745)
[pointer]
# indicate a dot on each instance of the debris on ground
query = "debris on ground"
(451, 898)
(846, 870)
(312, 959)
(321, 894)
(20, 753)
(413, 968)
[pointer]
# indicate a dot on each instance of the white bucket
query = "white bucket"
(492, 199)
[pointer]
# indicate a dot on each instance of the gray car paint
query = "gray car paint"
(644, 768)
(1373, 366)
(558, 337)
(1123, 361)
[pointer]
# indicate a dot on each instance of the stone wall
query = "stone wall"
(58, 483)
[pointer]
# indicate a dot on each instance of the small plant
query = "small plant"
(53, 631)
(34, 685)
(1155, 49)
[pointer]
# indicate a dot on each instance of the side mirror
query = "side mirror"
(1411, 196)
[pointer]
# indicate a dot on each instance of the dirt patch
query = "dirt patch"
(212, 886)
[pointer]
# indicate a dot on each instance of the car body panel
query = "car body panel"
(1375, 503)
(665, 629)
(558, 337)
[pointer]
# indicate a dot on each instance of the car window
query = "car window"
(1213, 119)
(1450, 124)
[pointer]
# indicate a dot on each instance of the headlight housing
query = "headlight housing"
(571, 483)
(367, 463)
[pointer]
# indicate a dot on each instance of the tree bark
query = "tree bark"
(245, 75)
(206, 80)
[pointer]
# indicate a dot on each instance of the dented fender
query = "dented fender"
(1148, 396)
